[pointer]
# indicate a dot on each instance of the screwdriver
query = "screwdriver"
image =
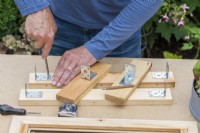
(9, 110)
(47, 68)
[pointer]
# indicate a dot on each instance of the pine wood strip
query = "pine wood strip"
(96, 97)
(122, 95)
(107, 81)
(78, 87)
(34, 84)
(102, 124)
(147, 82)
(48, 97)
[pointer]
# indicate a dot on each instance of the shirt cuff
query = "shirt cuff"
(27, 7)
(93, 51)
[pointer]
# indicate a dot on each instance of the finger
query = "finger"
(75, 72)
(59, 71)
(34, 36)
(39, 44)
(66, 74)
(60, 64)
(61, 67)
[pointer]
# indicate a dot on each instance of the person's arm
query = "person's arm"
(30, 6)
(130, 19)
(40, 25)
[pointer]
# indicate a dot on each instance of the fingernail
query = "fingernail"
(59, 84)
(53, 82)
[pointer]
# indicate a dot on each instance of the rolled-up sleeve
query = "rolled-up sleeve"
(30, 6)
(129, 20)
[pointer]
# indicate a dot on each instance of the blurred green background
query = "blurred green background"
(174, 32)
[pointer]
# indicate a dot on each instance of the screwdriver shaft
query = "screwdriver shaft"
(47, 67)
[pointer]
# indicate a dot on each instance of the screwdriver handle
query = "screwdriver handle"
(8, 110)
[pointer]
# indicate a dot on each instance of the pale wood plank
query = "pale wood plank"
(122, 95)
(25, 128)
(48, 98)
(78, 87)
(108, 80)
(97, 97)
(102, 124)
(183, 130)
(32, 83)
(147, 82)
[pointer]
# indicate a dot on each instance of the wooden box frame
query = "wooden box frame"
(32, 124)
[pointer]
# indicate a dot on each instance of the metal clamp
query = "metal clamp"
(159, 75)
(129, 76)
(162, 75)
(32, 94)
(42, 76)
(67, 110)
(157, 93)
(86, 73)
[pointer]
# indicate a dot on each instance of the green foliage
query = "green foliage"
(197, 68)
(187, 46)
(165, 25)
(197, 87)
(10, 19)
(12, 31)
(193, 40)
(16, 45)
(169, 55)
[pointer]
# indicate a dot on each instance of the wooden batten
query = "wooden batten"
(147, 82)
(96, 97)
(34, 84)
(78, 87)
(122, 95)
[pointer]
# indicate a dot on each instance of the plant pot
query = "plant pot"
(196, 77)
(195, 103)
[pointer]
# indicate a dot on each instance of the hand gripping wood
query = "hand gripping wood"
(78, 87)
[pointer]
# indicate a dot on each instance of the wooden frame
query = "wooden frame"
(96, 97)
(28, 124)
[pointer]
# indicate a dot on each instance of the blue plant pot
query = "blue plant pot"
(195, 103)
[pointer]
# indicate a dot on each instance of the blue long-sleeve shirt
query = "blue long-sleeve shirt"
(118, 19)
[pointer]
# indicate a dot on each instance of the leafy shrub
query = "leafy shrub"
(16, 44)
(174, 21)
(10, 18)
(196, 68)
(12, 33)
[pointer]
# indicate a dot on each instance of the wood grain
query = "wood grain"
(122, 95)
(147, 82)
(78, 87)
(96, 97)
(97, 124)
